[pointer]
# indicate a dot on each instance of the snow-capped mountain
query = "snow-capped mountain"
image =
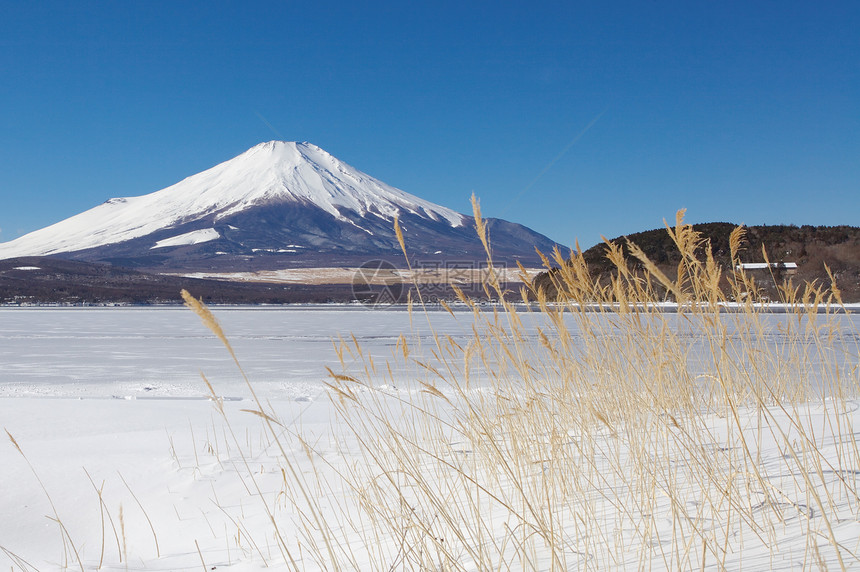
(279, 204)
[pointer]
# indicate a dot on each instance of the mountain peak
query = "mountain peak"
(288, 171)
(288, 151)
(292, 199)
(277, 147)
(269, 173)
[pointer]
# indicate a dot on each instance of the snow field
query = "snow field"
(568, 441)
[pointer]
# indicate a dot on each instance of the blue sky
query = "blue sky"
(574, 118)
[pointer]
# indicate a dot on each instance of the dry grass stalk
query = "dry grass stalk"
(122, 534)
(143, 510)
(208, 319)
(68, 543)
(102, 511)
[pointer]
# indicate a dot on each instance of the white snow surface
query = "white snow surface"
(109, 417)
(193, 237)
(271, 172)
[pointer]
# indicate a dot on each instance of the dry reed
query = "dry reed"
(628, 426)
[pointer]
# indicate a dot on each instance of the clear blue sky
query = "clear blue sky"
(574, 118)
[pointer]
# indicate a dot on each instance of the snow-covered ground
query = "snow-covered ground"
(115, 438)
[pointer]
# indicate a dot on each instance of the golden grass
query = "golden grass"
(623, 434)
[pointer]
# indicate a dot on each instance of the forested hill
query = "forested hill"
(810, 247)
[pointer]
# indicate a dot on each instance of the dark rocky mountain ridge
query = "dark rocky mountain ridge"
(810, 247)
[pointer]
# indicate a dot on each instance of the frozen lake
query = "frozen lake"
(160, 352)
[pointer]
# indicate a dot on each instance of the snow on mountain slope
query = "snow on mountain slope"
(271, 173)
(193, 237)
